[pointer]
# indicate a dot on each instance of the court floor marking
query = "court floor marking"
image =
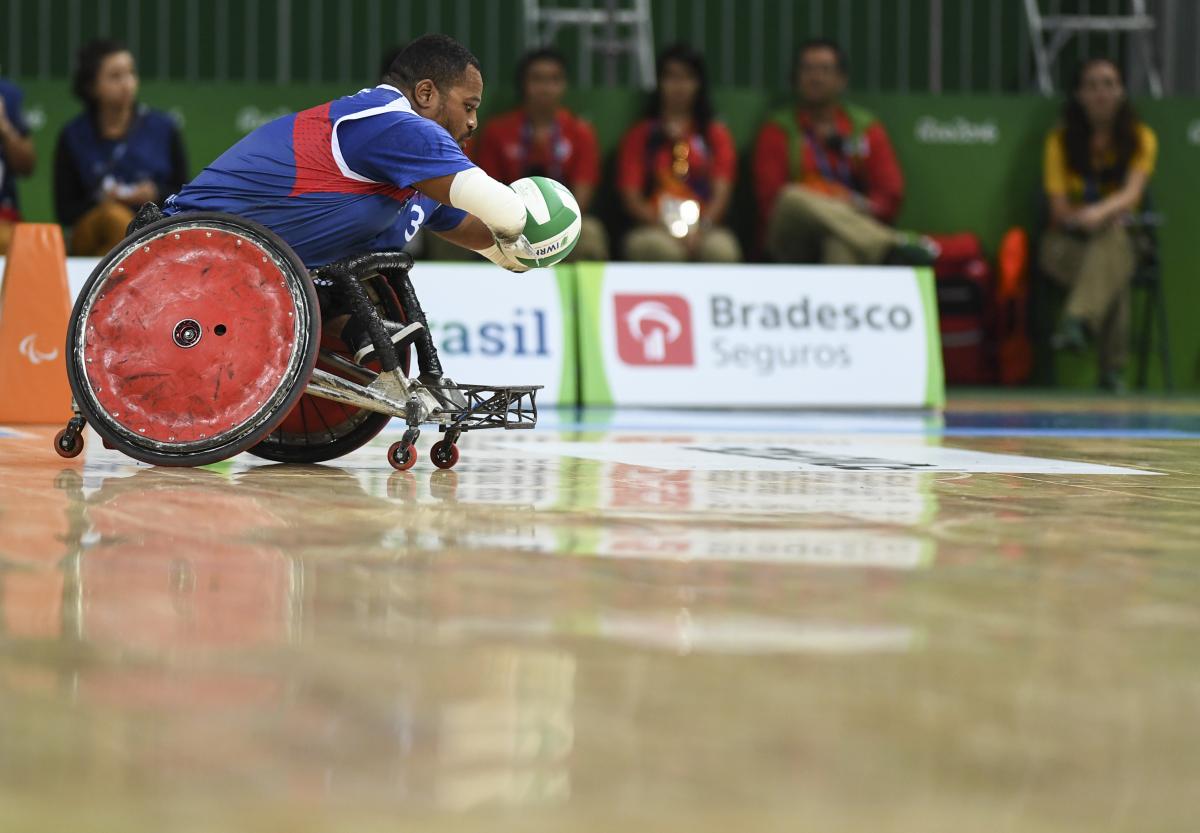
(811, 454)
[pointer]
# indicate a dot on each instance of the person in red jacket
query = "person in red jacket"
(544, 138)
(676, 170)
(826, 178)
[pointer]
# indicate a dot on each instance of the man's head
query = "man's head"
(443, 82)
(542, 79)
(820, 73)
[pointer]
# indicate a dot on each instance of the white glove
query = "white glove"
(506, 252)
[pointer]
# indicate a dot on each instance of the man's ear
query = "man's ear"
(425, 93)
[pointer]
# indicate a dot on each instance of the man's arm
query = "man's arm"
(473, 191)
(885, 185)
(18, 147)
(71, 196)
(771, 167)
(496, 210)
(471, 234)
(585, 167)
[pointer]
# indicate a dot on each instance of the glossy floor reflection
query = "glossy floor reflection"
(638, 621)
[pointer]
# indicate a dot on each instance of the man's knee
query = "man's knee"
(101, 228)
(653, 245)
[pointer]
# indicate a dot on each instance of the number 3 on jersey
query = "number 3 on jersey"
(418, 217)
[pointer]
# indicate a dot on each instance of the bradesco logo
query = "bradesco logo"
(654, 330)
(766, 337)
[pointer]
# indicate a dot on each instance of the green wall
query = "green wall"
(972, 163)
(984, 45)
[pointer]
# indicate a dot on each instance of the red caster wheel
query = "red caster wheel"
(444, 454)
(68, 450)
(402, 455)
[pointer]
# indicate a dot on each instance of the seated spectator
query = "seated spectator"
(115, 155)
(826, 178)
(677, 168)
(17, 158)
(1098, 161)
(544, 138)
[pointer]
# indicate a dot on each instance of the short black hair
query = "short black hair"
(440, 58)
(87, 66)
(843, 60)
(389, 58)
(542, 53)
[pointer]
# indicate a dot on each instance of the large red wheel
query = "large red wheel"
(319, 429)
(193, 339)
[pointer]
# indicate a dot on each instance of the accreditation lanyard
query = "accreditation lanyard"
(839, 171)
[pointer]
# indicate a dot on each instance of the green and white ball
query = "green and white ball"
(552, 219)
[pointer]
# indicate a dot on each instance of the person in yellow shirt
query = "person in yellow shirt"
(1098, 161)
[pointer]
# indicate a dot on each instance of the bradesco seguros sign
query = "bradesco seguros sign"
(725, 336)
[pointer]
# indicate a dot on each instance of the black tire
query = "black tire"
(291, 387)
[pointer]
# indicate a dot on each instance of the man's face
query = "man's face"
(545, 85)
(819, 79)
(457, 108)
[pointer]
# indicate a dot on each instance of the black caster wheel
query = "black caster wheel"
(68, 447)
(444, 454)
(402, 455)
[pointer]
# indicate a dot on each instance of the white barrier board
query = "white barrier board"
(765, 336)
(491, 327)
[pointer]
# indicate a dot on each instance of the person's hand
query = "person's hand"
(133, 195)
(1090, 218)
(859, 202)
(512, 248)
(7, 129)
(144, 192)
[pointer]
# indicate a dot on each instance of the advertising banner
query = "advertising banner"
(758, 336)
(491, 327)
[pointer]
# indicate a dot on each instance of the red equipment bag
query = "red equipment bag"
(1014, 346)
(965, 295)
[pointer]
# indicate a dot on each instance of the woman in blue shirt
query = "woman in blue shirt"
(115, 155)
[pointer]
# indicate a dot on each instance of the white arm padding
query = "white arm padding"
(494, 203)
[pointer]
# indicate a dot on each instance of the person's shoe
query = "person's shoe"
(1072, 336)
(358, 339)
(1113, 381)
(444, 389)
(912, 249)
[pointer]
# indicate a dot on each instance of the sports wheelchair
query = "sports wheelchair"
(199, 337)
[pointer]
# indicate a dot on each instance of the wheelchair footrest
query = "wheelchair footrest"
(509, 407)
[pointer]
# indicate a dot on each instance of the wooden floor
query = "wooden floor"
(635, 621)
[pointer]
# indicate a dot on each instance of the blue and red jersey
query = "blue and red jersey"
(336, 179)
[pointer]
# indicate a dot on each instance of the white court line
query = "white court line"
(815, 455)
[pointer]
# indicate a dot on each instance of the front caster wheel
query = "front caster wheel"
(402, 455)
(68, 446)
(444, 454)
